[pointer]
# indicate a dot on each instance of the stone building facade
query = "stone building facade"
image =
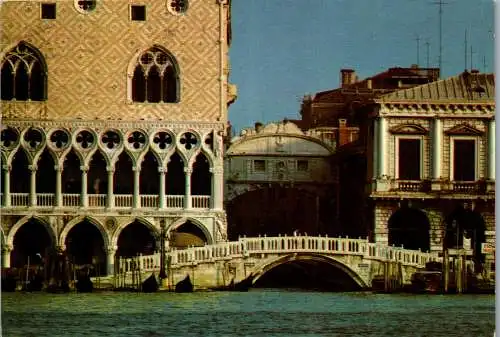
(113, 115)
(433, 172)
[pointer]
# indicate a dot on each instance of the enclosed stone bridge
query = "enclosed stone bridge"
(217, 265)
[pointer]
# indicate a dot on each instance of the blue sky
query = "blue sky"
(284, 49)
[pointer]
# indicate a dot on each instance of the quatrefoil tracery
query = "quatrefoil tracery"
(137, 140)
(111, 140)
(85, 139)
(9, 138)
(189, 140)
(33, 138)
(60, 139)
(163, 140)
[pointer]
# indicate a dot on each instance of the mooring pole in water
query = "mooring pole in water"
(446, 267)
(27, 272)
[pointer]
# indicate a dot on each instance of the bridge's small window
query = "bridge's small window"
(138, 12)
(302, 165)
(48, 11)
(259, 165)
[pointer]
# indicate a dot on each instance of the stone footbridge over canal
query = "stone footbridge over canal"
(356, 260)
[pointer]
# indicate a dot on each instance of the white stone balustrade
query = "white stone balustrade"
(245, 247)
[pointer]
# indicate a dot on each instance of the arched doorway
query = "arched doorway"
(309, 272)
(186, 235)
(409, 227)
(31, 240)
(277, 211)
(136, 238)
(85, 248)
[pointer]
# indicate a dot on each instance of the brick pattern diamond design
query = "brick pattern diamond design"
(88, 55)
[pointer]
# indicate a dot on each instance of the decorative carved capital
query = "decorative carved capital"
(217, 170)
(110, 250)
(188, 171)
(7, 248)
(84, 169)
(32, 167)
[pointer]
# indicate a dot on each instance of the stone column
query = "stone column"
(59, 201)
(83, 195)
(110, 196)
(6, 186)
(382, 147)
(110, 259)
(137, 196)
(162, 172)
(437, 145)
(187, 193)
(375, 145)
(33, 201)
(491, 150)
(6, 250)
(217, 188)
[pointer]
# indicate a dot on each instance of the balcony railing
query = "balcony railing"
(465, 186)
(409, 185)
(200, 201)
(47, 200)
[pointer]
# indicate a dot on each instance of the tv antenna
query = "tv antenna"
(471, 52)
(418, 49)
(465, 49)
(427, 44)
(440, 3)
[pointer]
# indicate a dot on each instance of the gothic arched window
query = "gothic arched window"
(23, 74)
(155, 78)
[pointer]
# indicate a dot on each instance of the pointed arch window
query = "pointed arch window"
(155, 78)
(23, 74)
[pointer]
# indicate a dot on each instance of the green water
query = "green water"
(255, 313)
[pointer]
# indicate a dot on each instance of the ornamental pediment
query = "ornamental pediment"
(412, 129)
(464, 129)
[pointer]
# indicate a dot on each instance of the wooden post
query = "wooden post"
(446, 271)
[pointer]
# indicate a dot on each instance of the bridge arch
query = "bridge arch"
(267, 266)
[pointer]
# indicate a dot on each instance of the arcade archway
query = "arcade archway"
(187, 235)
(32, 240)
(409, 227)
(137, 238)
(468, 223)
(85, 247)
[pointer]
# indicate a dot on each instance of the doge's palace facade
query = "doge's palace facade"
(113, 114)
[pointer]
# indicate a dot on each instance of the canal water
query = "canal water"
(259, 312)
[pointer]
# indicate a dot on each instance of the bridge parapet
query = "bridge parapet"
(246, 247)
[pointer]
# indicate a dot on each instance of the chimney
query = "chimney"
(369, 83)
(347, 76)
(474, 71)
(343, 132)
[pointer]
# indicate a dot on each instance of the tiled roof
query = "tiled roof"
(465, 87)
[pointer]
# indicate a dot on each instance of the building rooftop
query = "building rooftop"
(465, 87)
